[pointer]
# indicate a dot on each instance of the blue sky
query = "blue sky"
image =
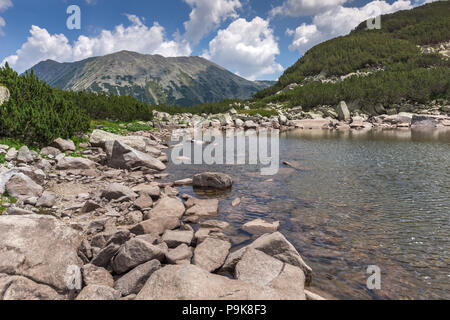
(256, 39)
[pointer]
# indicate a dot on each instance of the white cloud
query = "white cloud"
(42, 45)
(206, 15)
(299, 8)
(4, 4)
(339, 21)
(246, 47)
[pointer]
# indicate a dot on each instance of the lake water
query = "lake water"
(354, 199)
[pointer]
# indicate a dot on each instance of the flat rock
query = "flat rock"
(93, 275)
(22, 186)
(99, 138)
(168, 207)
(259, 227)
(180, 255)
(63, 145)
(75, 163)
(122, 156)
(156, 225)
(47, 200)
(116, 191)
(202, 208)
(21, 288)
(211, 254)
(174, 238)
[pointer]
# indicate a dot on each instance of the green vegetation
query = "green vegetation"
(261, 112)
(213, 107)
(6, 199)
(36, 113)
(398, 70)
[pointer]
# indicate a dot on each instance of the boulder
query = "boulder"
(144, 202)
(257, 267)
(98, 293)
(22, 288)
(168, 207)
(213, 180)
(152, 191)
(50, 151)
(93, 275)
(4, 95)
(116, 191)
(89, 206)
(156, 225)
(189, 282)
(134, 280)
(343, 112)
(63, 145)
(180, 255)
(274, 245)
(99, 138)
(74, 163)
(136, 252)
(40, 248)
(47, 200)
(11, 154)
(211, 254)
(24, 155)
(174, 238)
(259, 227)
(22, 187)
(249, 124)
(104, 256)
(121, 156)
(202, 208)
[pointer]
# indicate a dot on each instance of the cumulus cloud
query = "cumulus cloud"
(299, 8)
(42, 45)
(246, 47)
(339, 21)
(206, 15)
(4, 4)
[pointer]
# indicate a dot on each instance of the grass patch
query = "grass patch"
(6, 199)
(261, 112)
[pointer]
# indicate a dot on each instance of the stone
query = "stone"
(14, 211)
(214, 224)
(257, 267)
(47, 200)
(133, 281)
(180, 255)
(274, 245)
(116, 191)
(136, 252)
(104, 256)
(24, 155)
(189, 282)
(174, 238)
(121, 156)
(21, 186)
(99, 138)
(75, 163)
(213, 180)
(202, 208)
(236, 202)
(63, 145)
(156, 225)
(144, 202)
(133, 218)
(343, 112)
(50, 151)
(119, 237)
(313, 296)
(21, 288)
(98, 293)
(291, 281)
(4, 95)
(37, 175)
(184, 182)
(89, 206)
(259, 227)
(93, 275)
(11, 155)
(168, 206)
(40, 248)
(152, 191)
(211, 254)
(249, 124)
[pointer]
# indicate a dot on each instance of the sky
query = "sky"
(256, 39)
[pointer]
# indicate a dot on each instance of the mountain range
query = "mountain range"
(152, 79)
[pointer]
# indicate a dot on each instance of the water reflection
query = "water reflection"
(350, 200)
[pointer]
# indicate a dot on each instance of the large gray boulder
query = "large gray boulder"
(122, 156)
(274, 245)
(213, 180)
(4, 95)
(22, 187)
(22, 288)
(75, 163)
(24, 155)
(136, 252)
(343, 112)
(211, 254)
(39, 248)
(99, 138)
(189, 282)
(133, 281)
(63, 144)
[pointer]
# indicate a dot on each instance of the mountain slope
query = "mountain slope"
(370, 67)
(152, 79)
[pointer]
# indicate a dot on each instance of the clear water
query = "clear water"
(354, 199)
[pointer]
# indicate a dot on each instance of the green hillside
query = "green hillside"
(393, 66)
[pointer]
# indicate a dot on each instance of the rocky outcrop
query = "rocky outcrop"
(4, 95)
(22, 186)
(99, 138)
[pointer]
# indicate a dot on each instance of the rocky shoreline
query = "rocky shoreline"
(100, 225)
(340, 117)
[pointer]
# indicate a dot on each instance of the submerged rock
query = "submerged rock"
(213, 180)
